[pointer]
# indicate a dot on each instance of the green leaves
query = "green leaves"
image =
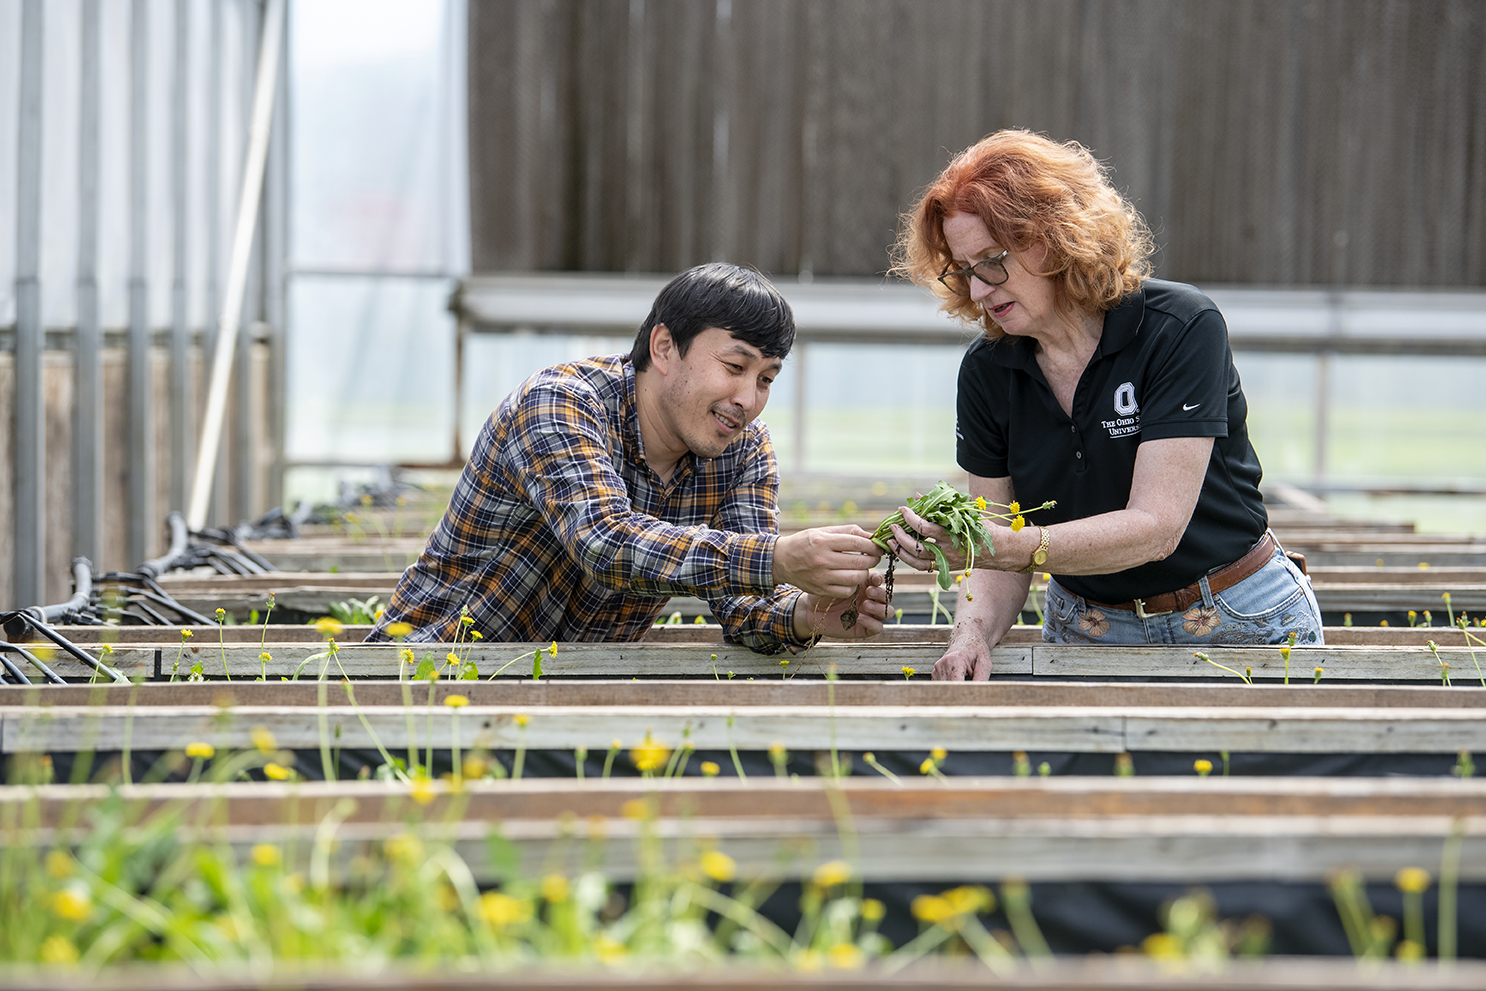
(945, 506)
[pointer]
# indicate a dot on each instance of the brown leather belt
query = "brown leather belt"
(1183, 598)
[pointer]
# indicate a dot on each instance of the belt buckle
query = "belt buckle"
(1140, 610)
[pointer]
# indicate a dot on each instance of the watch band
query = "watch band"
(1039, 556)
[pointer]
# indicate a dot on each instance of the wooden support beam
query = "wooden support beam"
(865, 659)
(1066, 729)
(1109, 830)
(536, 695)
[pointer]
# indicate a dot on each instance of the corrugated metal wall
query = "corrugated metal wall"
(1266, 141)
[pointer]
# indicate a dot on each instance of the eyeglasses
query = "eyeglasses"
(991, 271)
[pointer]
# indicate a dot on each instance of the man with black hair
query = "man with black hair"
(599, 488)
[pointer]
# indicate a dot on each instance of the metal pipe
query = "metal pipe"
(237, 273)
(180, 539)
(46, 672)
(82, 594)
(87, 443)
(182, 409)
(30, 334)
(141, 529)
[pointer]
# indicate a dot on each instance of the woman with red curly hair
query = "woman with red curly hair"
(1104, 389)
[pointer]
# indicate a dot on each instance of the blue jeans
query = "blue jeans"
(1264, 608)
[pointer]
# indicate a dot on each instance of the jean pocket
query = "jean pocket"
(1062, 607)
(1268, 594)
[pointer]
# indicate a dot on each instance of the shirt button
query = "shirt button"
(1073, 427)
(1078, 454)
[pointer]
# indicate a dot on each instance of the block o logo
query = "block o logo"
(1124, 400)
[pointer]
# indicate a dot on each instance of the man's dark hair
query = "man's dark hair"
(738, 300)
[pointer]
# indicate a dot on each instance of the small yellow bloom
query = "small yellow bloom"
(927, 766)
(266, 855)
(186, 634)
(933, 909)
(650, 755)
(938, 753)
(58, 864)
(476, 635)
(456, 701)
(200, 750)
(221, 614)
(718, 866)
(407, 655)
(59, 950)
(422, 790)
(1285, 652)
(474, 767)
(1414, 880)
(329, 626)
(555, 888)
(404, 848)
(873, 910)
(265, 656)
(72, 903)
(846, 956)
(1162, 946)
(398, 630)
(452, 658)
(552, 650)
(832, 873)
(501, 910)
(969, 898)
(1408, 951)
(467, 620)
(522, 719)
(636, 808)
(776, 750)
(710, 769)
(1015, 507)
(909, 672)
(263, 739)
(609, 950)
(275, 772)
(1017, 523)
(1203, 767)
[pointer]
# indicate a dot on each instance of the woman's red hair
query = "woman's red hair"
(1030, 190)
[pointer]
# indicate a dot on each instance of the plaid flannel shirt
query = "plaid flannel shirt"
(560, 530)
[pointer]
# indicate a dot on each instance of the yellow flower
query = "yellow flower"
(969, 898)
(476, 635)
(328, 626)
(58, 864)
(404, 848)
(927, 766)
(396, 630)
(501, 910)
(263, 739)
(873, 910)
(186, 634)
(521, 720)
(72, 904)
(650, 755)
(452, 658)
(552, 650)
(710, 768)
(1015, 507)
(474, 767)
(555, 888)
(58, 949)
(832, 873)
(938, 753)
(718, 866)
(221, 614)
(845, 956)
(1202, 767)
(467, 620)
(422, 790)
(456, 701)
(608, 949)
(407, 655)
(635, 808)
(275, 772)
(909, 672)
(933, 909)
(776, 750)
(1408, 950)
(200, 750)
(1414, 880)
(980, 502)
(265, 656)
(1162, 946)
(266, 855)
(1285, 652)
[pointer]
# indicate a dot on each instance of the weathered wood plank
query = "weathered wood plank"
(812, 692)
(1071, 729)
(1349, 663)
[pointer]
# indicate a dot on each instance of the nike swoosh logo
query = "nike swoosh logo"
(1185, 407)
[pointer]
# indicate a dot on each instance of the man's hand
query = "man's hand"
(968, 658)
(821, 616)
(829, 561)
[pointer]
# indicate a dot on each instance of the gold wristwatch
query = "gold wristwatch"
(1039, 556)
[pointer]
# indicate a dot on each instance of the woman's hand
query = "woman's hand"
(968, 658)
(912, 551)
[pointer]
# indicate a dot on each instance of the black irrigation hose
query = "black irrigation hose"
(180, 540)
(14, 672)
(72, 649)
(46, 672)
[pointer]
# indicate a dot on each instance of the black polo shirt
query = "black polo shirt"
(1162, 368)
